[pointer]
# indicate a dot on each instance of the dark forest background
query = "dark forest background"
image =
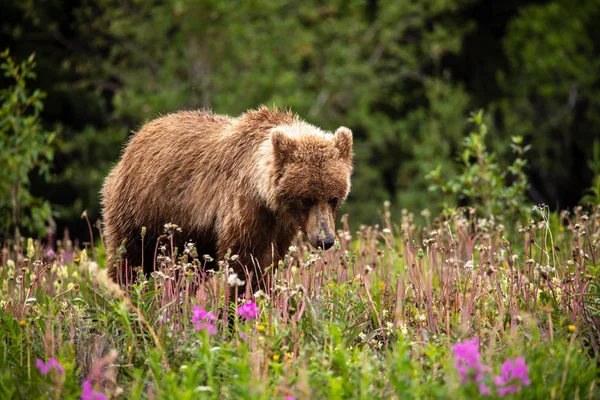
(403, 75)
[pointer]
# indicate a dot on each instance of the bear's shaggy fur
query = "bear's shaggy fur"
(248, 184)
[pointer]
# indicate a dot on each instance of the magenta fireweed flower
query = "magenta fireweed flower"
(89, 393)
(512, 372)
(51, 364)
(44, 369)
(510, 389)
(203, 320)
(248, 311)
(484, 389)
(468, 360)
(469, 365)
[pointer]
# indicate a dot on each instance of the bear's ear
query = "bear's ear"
(283, 145)
(343, 142)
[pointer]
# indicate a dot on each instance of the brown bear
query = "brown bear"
(249, 184)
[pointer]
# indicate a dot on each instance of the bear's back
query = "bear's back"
(182, 127)
(160, 164)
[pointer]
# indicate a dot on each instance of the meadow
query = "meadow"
(454, 307)
(460, 288)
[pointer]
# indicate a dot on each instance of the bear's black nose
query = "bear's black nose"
(327, 242)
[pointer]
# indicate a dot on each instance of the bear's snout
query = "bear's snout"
(326, 242)
(320, 226)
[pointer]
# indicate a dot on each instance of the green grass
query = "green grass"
(375, 317)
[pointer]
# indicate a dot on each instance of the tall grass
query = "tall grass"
(377, 316)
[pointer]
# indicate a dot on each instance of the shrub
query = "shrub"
(24, 147)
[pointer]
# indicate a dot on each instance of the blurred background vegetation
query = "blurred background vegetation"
(403, 75)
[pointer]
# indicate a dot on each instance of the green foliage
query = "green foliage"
(333, 64)
(483, 182)
(402, 75)
(593, 193)
(25, 147)
(550, 91)
(92, 151)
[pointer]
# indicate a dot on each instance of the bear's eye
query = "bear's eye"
(307, 203)
(335, 202)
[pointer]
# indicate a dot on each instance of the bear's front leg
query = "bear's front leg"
(248, 230)
(250, 264)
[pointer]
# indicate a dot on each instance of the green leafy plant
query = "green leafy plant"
(483, 181)
(592, 194)
(24, 147)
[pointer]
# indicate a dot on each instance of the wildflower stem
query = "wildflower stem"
(87, 220)
(366, 282)
(63, 293)
(151, 331)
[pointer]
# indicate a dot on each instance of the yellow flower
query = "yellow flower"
(275, 357)
(260, 328)
(22, 323)
(572, 328)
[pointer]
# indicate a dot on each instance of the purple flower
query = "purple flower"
(468, 361)
(89, 393)
(44, 369)
(49, 254)
(203, 320)
(51, 364)
(243, 336)
(290, 398)
(510, 389)
(484, 390)
(248, 311)
(512, 371)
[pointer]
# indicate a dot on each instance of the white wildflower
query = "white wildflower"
(233, 280)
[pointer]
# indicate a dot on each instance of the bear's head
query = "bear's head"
(313, 171)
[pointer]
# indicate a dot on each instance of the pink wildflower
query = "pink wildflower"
(510, 389)
(290, 398)
(248, 311)
(49, 254)
(243, 336)
(484, 390)
(468, 361)
(203, 320)
(512, 371)
(89, 393)
(51, 364)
